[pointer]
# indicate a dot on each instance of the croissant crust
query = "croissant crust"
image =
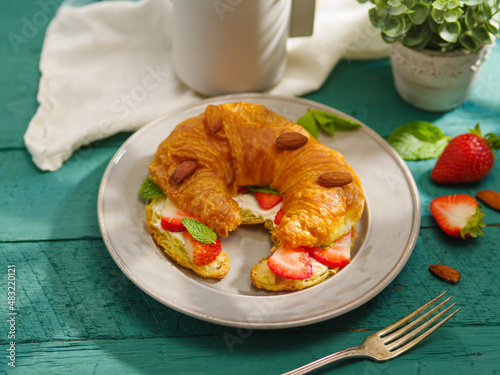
(243, 152)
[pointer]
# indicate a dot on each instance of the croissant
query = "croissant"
(201, 164)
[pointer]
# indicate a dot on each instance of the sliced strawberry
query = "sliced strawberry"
(291, 263)
(458, 215)
(267, 200)
(278, 217)
(171, 217)
(201, 254)
(172, 224)
(337, 255)
(242, 190)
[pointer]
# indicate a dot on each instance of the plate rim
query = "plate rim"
(365, 297)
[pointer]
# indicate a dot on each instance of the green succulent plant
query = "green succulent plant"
(443, 25)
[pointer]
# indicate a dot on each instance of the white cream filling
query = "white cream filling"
(166, 208)
(245, 201)
(318, 265)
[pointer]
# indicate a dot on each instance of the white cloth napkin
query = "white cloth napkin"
(105, 68)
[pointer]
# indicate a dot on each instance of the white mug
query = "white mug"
(227, 46)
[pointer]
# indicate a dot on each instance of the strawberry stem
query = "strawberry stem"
(476, 130)
(493, 141)
(474, 224)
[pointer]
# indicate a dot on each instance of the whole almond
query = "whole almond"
(291, 141)
(490, 197)
(213, 118)
(445, 273)
(184, 170)
(334, 179)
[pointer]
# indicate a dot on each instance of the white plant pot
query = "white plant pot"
(432, 80)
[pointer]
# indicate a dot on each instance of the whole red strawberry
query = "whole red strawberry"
(467, 158)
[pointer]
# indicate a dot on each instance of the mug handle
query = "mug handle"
(302, 18)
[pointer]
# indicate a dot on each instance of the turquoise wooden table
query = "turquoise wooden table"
(77, 313)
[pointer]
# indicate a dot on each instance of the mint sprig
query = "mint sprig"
(418, 140)
(263, 189)
(329, 122)
(309, 123)
(199, 231)
(149, 189)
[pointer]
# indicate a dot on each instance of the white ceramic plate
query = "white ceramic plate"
(388, 231)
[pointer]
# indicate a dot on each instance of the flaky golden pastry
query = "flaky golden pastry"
(243, 152)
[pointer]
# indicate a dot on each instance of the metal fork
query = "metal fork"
(389, 342)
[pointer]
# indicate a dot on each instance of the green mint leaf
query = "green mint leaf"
(327, 120)
(424, 131)
(149, 189)
(263, 189)
(418, 140)
(309, 123)
(199, 231)
(324, 120)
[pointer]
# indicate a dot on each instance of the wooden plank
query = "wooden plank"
(67, 209)
(256, 353)
(72, 290)
(23, 30)
(68, 290)
(38, 205)
(363, 89)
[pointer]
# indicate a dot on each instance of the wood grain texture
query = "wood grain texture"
(72, 290)
(22, 30)
(20, 46)
(251, 353)
(38, 205)
(79, 314)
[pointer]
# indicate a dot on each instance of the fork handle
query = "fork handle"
(355, 351)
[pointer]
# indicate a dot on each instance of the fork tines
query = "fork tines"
(393, 337)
